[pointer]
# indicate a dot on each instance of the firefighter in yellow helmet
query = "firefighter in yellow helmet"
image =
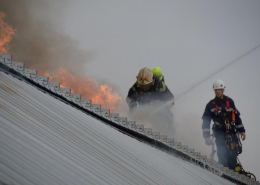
(158, 79)
(148, 88)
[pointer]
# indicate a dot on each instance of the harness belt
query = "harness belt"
(225, 115)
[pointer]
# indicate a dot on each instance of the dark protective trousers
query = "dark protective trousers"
(227, 157)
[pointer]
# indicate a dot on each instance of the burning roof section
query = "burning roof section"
(131, 128)
(6, 34)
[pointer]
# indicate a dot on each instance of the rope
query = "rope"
(230, 63)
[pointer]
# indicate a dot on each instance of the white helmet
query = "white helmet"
(218, 84)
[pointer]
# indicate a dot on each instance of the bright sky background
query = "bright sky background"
(190, 40)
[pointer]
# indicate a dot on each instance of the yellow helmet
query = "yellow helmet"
(157, 71)
(145, 78)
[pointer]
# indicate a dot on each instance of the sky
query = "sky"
(193, 42)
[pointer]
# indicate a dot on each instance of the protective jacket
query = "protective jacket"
(217, 110)
(158, 92)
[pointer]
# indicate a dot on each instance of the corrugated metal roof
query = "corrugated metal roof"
(46, 141)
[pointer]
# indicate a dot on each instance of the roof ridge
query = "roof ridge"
(146, 135)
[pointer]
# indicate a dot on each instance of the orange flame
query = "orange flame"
(88, 88)
(6, 34)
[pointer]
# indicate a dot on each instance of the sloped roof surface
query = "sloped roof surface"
(45, 141)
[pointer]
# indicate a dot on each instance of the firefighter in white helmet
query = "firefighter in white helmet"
(227, 124)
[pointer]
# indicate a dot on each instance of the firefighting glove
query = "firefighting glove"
(208, 141)
(133, 105)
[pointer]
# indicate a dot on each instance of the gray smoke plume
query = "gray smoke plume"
(41, 44)
(39, 41)
(156, 116)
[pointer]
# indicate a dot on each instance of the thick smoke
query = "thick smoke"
(41, 44)
(39, 41)
(158, 117)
